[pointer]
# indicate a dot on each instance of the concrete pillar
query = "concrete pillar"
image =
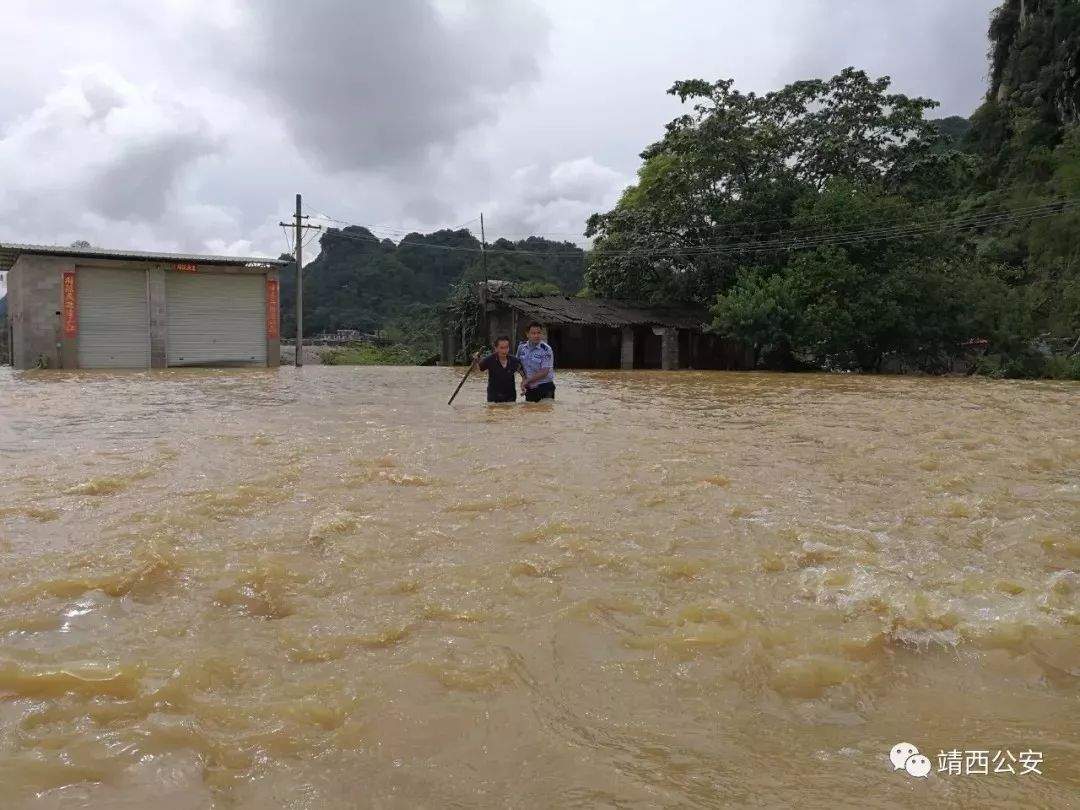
(669, 348)
(273, 336)
(35, 304)
(449, 346)
(159, 317)
(627, 355)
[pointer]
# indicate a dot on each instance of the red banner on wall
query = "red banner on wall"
(272, 305)
(71, 314)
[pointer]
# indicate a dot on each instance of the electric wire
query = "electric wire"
(851, 236)
(714, 227)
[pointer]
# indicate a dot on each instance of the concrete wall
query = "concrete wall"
(35, 301)
(449, 347)
(500, 322)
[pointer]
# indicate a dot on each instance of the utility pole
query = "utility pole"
(484, 289)
(483, 249)
(300, 226)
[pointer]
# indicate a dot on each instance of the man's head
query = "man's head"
(535, 332)
(502, 346)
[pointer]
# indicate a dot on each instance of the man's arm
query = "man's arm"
(544, 370)
(539, 375)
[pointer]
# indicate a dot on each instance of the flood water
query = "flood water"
(326, 588)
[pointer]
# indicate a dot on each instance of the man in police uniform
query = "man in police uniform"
(539, 362)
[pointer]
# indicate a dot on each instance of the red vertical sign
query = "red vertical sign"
(272, 302)
(71, 315)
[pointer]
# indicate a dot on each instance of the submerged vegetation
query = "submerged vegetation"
(370, 354)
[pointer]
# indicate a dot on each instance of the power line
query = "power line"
(387, 228)
(394, 229)
(811, 219)
(890, 230)
(872, 233)
(855, 236)
(720, 226)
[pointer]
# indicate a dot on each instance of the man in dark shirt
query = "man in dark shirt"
(501, 367)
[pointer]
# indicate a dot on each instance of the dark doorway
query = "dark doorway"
(646, 348)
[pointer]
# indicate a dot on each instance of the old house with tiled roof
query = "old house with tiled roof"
(607, 333)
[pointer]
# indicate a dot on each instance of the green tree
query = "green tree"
(738, 166)
(849, 306)
(815, 219)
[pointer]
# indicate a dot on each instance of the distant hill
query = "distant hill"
(955, 127)
(535, 263)
(362, 282)
(1032, 110)
(1035, 60)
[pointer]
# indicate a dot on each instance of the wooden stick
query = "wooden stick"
(463, 379)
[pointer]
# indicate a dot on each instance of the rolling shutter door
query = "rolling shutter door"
(114, 320)
(215, 319)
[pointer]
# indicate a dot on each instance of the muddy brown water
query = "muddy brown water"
(325, 588)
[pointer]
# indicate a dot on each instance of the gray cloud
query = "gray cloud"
(101, 96)
(99, 150)
(140, 182)
(367, 85)
(556, 199)
(190, 125)
(428, 209)
(931, 48)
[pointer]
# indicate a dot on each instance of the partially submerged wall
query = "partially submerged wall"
(34, 301)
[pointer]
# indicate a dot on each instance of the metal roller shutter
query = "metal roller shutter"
(215, 319)
(114, 320)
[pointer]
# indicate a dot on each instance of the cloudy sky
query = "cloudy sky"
(191, 124)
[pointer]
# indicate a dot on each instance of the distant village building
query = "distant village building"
(607, 333)
(344, 337)
(83, 307)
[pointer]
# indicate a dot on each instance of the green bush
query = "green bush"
(368, 354)
(1059, 367)
(1029, 365)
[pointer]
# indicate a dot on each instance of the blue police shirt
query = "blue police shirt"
(537, 357)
